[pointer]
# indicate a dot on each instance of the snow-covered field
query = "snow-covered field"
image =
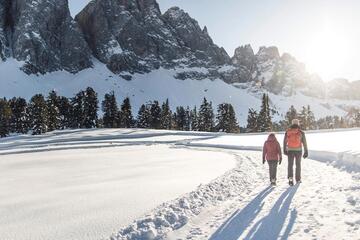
(157, 85)
(145, 184)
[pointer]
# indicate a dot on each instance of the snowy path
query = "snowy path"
(144, 184)
(325, 206)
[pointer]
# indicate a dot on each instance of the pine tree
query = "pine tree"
(291, 115)
(166, 114)
(357, 119)
(90, 108)
(303, 117)
(155, 112)
(77, 108)
(144, 116)
(110, 110)
(20, 117)
(126, 117)
(39, 114)
(310, 118)
(65, 112)
(5, 117)
(188, 119)
(226, 119)
(194, 120)
(252, 121)
(53, 111)
(264, 118)
(181, 119)
(206, 117)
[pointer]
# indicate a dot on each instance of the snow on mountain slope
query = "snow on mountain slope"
(156, 85)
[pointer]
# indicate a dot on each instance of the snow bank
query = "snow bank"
(175, 214)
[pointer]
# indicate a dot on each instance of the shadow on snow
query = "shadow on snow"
(269, 227)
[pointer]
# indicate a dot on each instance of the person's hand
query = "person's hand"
(263, 161)
(285, 152)
(280, 161)
(306, 154)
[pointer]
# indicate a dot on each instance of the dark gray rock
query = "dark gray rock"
(4, 44)
(44, 36)
(116, 29)
(112, 27)
(191, 36)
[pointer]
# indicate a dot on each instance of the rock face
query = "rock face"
(343, 89)
(195, 40)
(43, 35)
(4, 44)
(133, 35)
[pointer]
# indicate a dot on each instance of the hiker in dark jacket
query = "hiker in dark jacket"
(294, 142)
(272, 154)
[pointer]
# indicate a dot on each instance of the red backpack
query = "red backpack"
(294, 138)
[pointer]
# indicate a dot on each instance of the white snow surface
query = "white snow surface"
(157, 85)
(98, 182)
(144, 184)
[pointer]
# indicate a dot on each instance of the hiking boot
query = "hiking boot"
(291, 182)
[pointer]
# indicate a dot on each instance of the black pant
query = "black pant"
(297, 157)
(272, 169)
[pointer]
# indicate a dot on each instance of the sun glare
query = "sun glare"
(327, 52)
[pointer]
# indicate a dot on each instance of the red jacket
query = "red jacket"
(272, 149)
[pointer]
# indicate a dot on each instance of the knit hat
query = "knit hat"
(295, 122)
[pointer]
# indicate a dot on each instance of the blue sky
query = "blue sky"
(324, 34)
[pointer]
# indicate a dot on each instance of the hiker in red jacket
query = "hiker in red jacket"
(272, 154)
(294, 142)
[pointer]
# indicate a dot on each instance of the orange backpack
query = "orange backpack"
(293, 138)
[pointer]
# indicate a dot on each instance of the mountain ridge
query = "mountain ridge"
(132, 37)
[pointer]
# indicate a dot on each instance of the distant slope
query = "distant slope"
(157, 85)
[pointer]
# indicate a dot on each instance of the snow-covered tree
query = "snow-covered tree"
(155, 112)
(65, 111)
(206, 117)
(5, 117)
(307, 118)
(39, 114)
(290, 115)
(252, 121)
(53, 111)
(166, 115)
(181, 119)
(143, 119)
(91, 106)
(110, 110)
(226, 119)
(78, 114)
(264, 117)
(126, 117)
(20, 117)
(194, 119)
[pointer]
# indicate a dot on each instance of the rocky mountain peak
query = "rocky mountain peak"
(268, 53)
(43, 35)
(190, 34)
(244, 55)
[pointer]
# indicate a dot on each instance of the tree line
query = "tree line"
(43, 114)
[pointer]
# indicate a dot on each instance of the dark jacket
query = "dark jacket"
(272, 149)
(303, 141)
